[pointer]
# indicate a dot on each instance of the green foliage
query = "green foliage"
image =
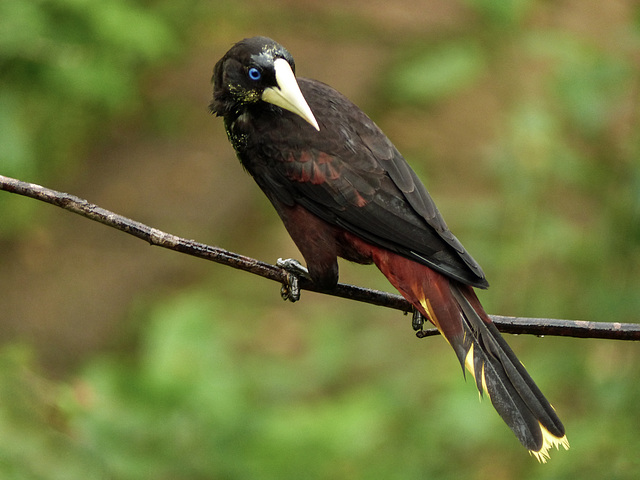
(590, 84)
(557, 150)
(207, 397)
(437, 73)
(504, 13)
(68, 63)
(67, 67)
(225, 383)
(564, 157)
(35, 441)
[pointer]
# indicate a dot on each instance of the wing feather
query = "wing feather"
(352, 176)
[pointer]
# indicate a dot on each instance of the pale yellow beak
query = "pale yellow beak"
(287, 94)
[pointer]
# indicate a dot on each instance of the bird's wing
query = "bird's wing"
(350, 175)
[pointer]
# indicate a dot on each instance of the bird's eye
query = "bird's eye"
(254, 73)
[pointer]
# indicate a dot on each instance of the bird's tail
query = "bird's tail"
(456, 311)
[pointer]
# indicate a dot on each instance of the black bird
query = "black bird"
(343, 190)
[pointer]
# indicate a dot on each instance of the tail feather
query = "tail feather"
(456, 311)
(499, 373)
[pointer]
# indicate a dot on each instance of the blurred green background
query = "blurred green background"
(122, 361)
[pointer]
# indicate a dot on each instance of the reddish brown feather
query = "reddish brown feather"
(420, 285)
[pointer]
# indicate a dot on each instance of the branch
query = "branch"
(515, 325)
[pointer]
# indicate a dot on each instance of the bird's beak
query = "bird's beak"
(287, 93)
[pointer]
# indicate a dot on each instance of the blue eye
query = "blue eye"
(254, 73)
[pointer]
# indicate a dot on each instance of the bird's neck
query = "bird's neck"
(235, 125)
(243, 122)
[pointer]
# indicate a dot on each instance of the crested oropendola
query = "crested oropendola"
(343, 190)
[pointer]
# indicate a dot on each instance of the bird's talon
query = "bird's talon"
(417, 322)
(293, 266)
(291, 288)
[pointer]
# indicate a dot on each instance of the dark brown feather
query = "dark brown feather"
(350, 175)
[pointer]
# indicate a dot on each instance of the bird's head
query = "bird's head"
(258, 70)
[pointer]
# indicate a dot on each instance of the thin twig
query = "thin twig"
(515, 325)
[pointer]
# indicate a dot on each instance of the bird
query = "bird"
(342, 189)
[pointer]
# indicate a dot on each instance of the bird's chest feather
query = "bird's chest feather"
(239, 130)
(262, 138)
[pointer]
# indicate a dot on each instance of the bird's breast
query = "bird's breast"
(238, 131)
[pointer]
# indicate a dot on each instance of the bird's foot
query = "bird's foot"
(290, 289)
(417, 322)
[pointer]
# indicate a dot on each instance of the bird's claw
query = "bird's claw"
(290, 290)
(293, 266)
(417, 322)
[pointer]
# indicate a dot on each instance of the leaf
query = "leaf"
(438, 73)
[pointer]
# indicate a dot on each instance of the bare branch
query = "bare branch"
(515, 325)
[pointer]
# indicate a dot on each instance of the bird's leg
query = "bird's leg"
(290, 289)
